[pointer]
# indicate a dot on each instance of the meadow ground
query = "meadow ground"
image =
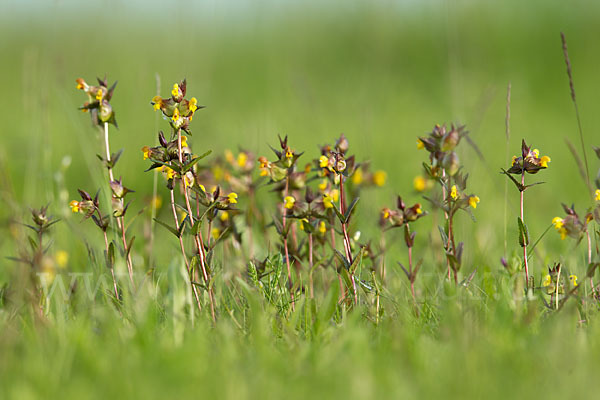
(381, 73)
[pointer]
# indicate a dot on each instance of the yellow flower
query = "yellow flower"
(323, 162)
(301, 222)
(454, 192)
(99, 94)
(81, 85)
(74, 206)
(420, 144)
(242, 159)
(156, 102)
(573, 279)
(146, 150)
(547, 281)
(514, 160)
(544, 161)
(323, 185)
(357, 177)
(224, 216)
(175, 116)
(232, 197)
(289, 153)
(322, 228)
(385, 213)
(473, 200)
(193, 104)
(379, 178)
(170, 173)
(202, 188)
(307, 168)
(217, 172)
(563, 233)
(327, 201)
(215, 233)
(557, 222)
(288, 202)
(61, 257)
(335, 194)
(175, 92)
(419, 183)
(419, 211)
(597, 195)
(184, 141)
(536, 153)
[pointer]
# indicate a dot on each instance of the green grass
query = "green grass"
(383, 74)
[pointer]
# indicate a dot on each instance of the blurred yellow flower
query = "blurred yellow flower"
(232, 197)
(454, 192)
(215, 233)
(156, 202)
(242, 159)
(420, 144)
(193, 104)
(175, 116)
(322, 228)
(544, 161)
(224, 216)
(61, 257)
(327, 201)
(597, 195)
(288, 202)
(323, 162)
(473, 200)
(357, 177)
(573, 279)
(379, 178)
(74, 206)
(146, 151)
(175, 92)
(419, 183)
(323, 185)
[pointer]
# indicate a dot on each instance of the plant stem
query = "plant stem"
(346, 238)
(198, 237)
(112, 270)
(285, 242)
(342, 288)
(187, 263)
(523, 221)
(444, 201)
(121, 219)
(310, 266)
(589, 254)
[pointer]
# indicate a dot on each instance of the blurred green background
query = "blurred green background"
(382, 72)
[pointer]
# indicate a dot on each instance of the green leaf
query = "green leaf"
(115, 157)
(350, 210)
(170, 228)
(130, 245)
(523, 233)
(110, 256)
(517, 183)
(343, 258)
(339, 214)
(182, 226)
(191, 163)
